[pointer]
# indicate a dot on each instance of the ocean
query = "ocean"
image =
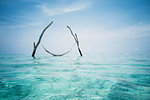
(91, 77)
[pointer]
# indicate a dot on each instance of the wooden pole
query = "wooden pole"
(76, 39)
(36, 45)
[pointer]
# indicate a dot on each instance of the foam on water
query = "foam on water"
(92, 77)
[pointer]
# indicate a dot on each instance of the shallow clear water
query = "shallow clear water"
(91, 77)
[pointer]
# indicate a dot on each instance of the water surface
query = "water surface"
(91, 77)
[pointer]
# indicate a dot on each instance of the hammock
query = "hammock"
(57, 54)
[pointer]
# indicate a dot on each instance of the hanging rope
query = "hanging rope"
(58, 54)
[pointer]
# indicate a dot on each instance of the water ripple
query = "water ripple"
(93, 77)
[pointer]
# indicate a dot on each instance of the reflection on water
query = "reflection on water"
(93, 77)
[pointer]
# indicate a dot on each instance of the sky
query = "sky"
(102, 26)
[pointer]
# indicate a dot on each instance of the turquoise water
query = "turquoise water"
(91, 77)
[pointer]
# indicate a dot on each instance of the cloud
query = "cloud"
(138, 30)
(63, 9)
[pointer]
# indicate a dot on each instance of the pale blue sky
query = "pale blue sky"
(101, 25)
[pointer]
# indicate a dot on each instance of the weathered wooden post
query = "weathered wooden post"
(76, 39)
(36, 45)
